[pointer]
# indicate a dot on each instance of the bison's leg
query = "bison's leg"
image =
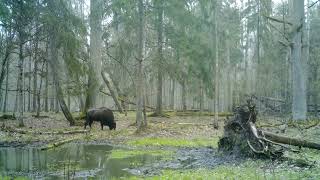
(90, 123)
(101, 125)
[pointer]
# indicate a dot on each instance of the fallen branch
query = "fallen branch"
(112, 92)
(310, 6)
(66, 132)
(121, 99)
(278, 20)
(56, 144)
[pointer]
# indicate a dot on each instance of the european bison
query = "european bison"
(103, 115)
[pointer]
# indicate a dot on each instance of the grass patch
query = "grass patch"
(121, 154)
(213, 142)
(304, 124)
(251, 170)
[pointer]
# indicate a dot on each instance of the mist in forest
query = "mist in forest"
(166, 55)
(198, 76)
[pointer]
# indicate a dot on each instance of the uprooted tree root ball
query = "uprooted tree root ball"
(242, 136)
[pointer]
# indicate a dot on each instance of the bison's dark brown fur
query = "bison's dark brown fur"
(103, 115)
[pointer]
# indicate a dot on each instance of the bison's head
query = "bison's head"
(113, 126)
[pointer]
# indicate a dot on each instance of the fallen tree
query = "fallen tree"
(112, 92)
(126, 101)
(242, 136)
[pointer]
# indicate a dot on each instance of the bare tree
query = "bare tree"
(299, 97)
(139, 85)
(96, 12)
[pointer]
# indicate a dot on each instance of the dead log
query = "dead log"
(112, 92)
(65, 132)
(290, 141)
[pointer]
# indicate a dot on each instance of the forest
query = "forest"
(159, 89)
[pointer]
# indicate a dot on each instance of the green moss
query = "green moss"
(213, 142)
(120, 154)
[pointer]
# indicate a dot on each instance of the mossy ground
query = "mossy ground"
(247, 172)
(154, 141)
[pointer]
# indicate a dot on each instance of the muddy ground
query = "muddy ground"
(192, 138)
(185, 127)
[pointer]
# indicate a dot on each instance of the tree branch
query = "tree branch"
(278, 20)
(313, 3)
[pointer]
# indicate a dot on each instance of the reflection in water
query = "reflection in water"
(71, 160)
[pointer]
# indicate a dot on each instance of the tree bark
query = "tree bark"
(52, 94)
(139, 85)
(53, 61)
(94, 80)
(159, 5)
(7, 87)
(201, 96)
(29, 82)
(5, 61)
(46, 109)
(38, 95)
(172, 95)
(35, 78)
(56, 100)
(216, 74)
(20, 81)
(184, 95)
(299, 101)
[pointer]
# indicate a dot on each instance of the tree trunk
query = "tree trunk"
(81, 104)
(4, 62)
(56, 100)
(184, 95)
(96, 12)
(7, 86)
(46, 109)
(20, 81)
(229, 74)
(38, 95)
(172, 94)
(201, 96)
(112, 92)
(159, 5)
(139, 94)
(216, 89)
(53, 61)
(29, 83)
(35, 79)
(52, 92)
(291, 141)
(299, 101)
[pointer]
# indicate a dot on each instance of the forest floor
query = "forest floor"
(191, 136)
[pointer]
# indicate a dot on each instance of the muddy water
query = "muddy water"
(76, 161)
